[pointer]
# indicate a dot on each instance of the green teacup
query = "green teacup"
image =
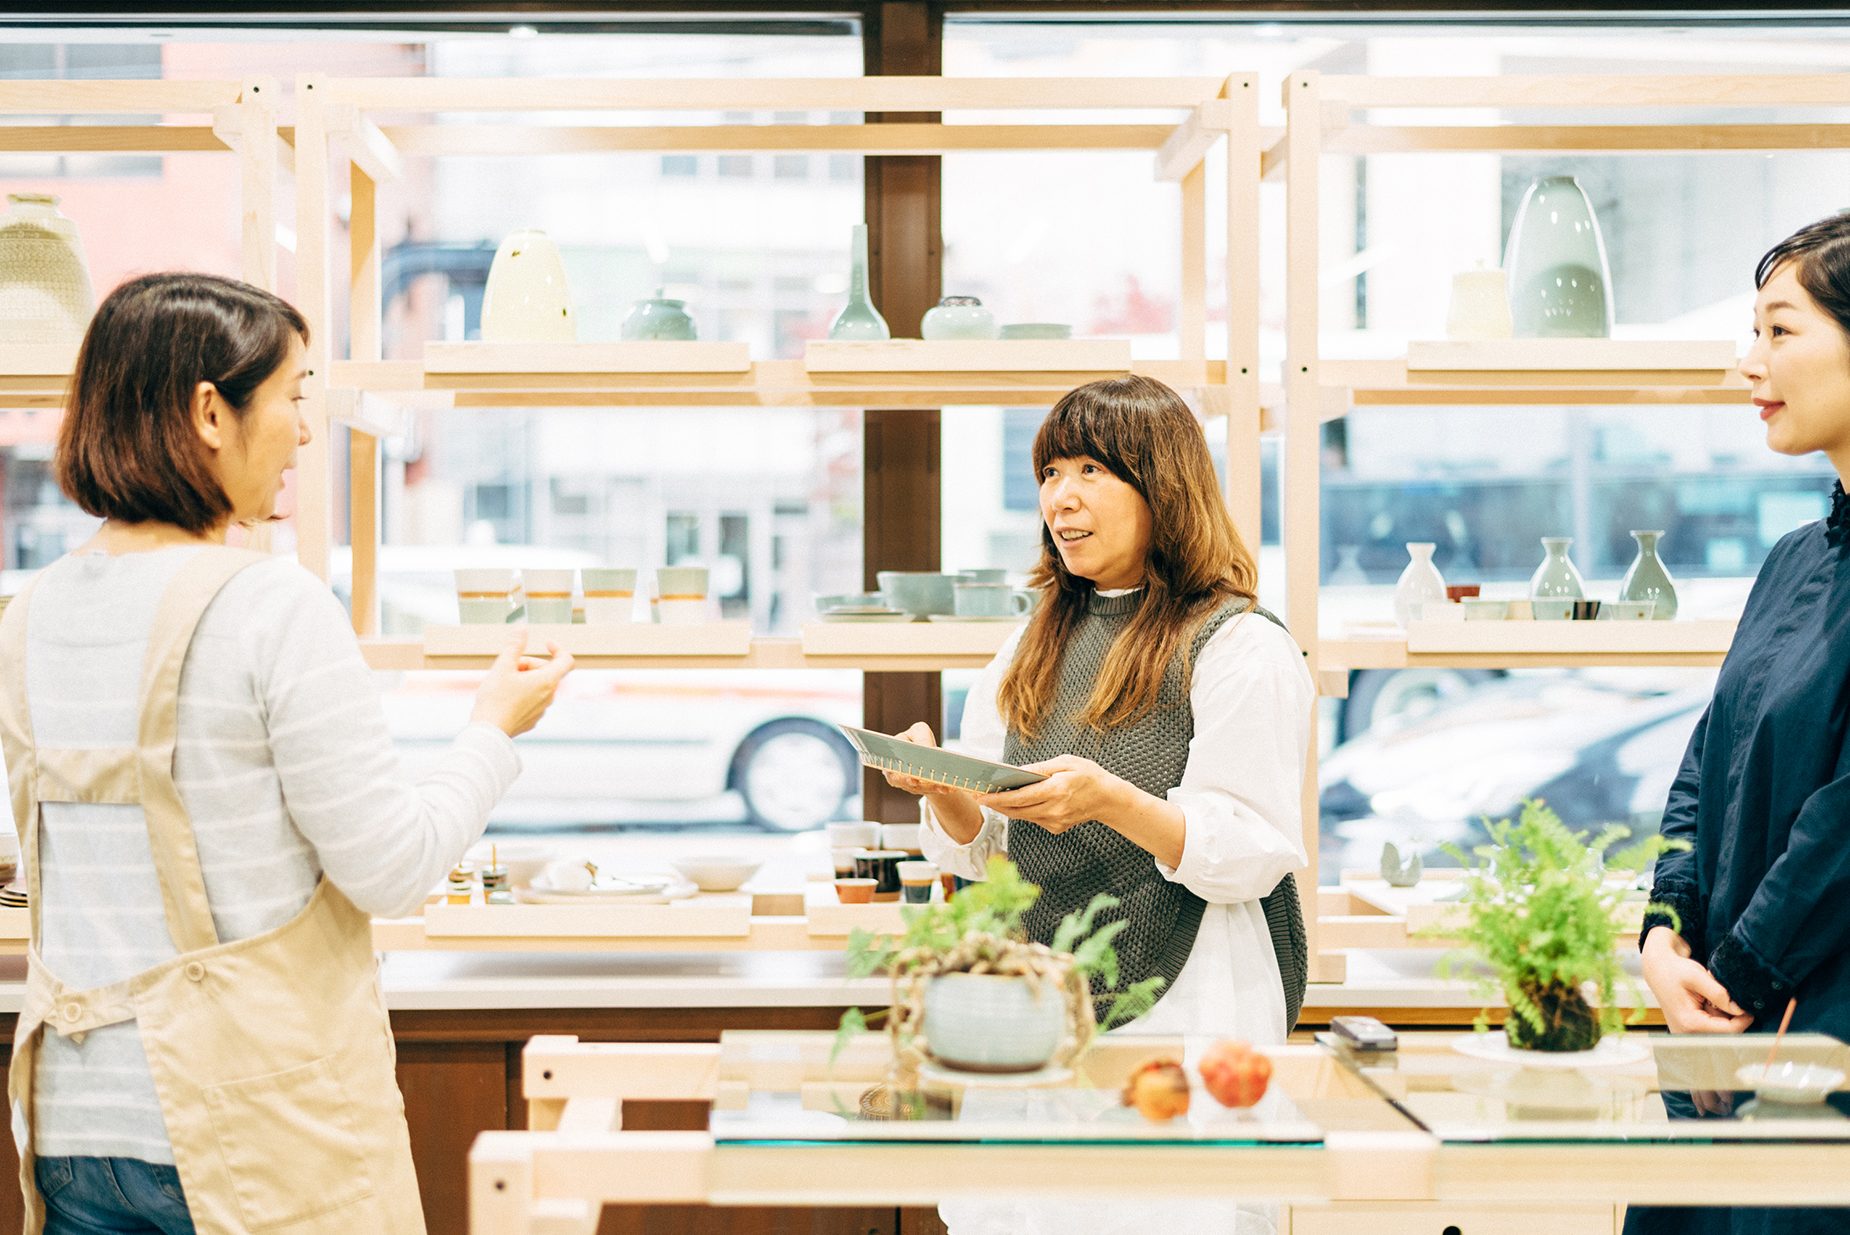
(920, 593)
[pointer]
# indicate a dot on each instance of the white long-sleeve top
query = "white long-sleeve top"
(1241, 803)
(285, 766)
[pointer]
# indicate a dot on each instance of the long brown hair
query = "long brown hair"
(1142, 432)
(127, 448)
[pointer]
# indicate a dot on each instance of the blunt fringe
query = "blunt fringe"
(127, 448)
(1820, 253)
(1142, 432)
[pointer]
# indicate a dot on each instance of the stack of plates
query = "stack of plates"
(864, 613)
(13, 896)
(608, 889)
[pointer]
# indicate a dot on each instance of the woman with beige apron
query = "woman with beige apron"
(270, 1054)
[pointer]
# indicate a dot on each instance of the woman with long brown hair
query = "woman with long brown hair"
(1170, 714)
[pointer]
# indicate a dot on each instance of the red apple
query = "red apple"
(1235, 1073)
(1158, 1089)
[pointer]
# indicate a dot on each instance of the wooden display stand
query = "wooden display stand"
(1336, 115)
(361, 122)
(236, 118)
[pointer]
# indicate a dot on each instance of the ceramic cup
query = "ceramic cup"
(1547, 610)
(882, 866)
(920, 593)
(849, 600)
(1480, 307)
(683, 595)
(1521, 610)
(986, 574)
(916, 880)
(853, 835)
(1442, 611)
(1477, 610)
(1627, 610)
(610, 594)
(843, 859)
(988, 600)
(484, 596)
(1585, 610)
(549, 595)
(901, 836)
(1037, 330)
(852, 891)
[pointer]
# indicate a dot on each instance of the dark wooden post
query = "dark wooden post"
(900, 506)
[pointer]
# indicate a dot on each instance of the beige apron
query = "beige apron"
(272, 1056)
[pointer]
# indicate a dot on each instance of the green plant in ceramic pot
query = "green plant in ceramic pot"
(1538, 914)
(969, 990)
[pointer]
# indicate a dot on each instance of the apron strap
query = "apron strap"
(16, 741)
(170, 830)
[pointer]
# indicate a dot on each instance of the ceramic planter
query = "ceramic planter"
(658, 320)
(45, 294)
(992, 1022)
(1556, 259)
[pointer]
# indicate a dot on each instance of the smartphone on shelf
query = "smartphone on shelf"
(1363, 1033)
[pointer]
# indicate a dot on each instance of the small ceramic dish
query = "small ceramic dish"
(1790, 1082)
(855, 891)
(717, 872)
(1626, 610)
(1552, 610)
(1477, 610)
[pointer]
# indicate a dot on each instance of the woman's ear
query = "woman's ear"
(209, 415)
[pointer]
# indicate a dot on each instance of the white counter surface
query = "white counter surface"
(490, 981)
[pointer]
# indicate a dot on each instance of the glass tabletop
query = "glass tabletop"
(784, 1088)
(1635, 1087)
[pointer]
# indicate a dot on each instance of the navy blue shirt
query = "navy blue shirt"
(1764, 794)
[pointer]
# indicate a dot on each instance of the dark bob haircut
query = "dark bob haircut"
(1820, 253)
(127, 449)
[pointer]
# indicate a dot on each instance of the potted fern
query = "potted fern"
(970, 991)
(1538, 914)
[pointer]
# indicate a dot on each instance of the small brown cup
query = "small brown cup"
(854, 891)
(1462, 591)
(882, 866)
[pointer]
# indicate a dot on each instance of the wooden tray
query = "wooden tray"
(1516, 638)
(716, 639)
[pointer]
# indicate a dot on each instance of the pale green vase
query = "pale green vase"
(1556, 262)
(1556, 578)
(859, 320)
(1646, 578)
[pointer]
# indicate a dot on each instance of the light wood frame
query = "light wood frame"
(232, 117)
(337, 120)
(1330, 115)
(1378, 1173)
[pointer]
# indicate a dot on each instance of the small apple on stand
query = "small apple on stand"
(1235, 1074)
(1158, 1089)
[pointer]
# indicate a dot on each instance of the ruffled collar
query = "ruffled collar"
(1837, 523)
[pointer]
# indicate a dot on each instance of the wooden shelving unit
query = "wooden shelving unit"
(237, 118)
(375, 125)
(1337, 115)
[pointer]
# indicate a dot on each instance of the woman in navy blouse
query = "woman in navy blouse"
(1763, 895)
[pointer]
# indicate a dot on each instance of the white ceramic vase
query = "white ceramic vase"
(45, 294)
(1419, 584)
(527, 299)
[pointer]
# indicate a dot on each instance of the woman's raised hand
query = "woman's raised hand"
(1076, 791)
(519, 688)
(1691, 999)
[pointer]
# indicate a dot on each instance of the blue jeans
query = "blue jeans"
(112, 1196)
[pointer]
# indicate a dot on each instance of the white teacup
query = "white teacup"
(682, 595)
(549, 595)
(610, 595)
(484, 596)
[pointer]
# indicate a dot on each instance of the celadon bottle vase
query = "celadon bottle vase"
(1556, 578)
(1420, 584)
(45, 294)
(859, 320)
(1556, 261)
(1646, 578)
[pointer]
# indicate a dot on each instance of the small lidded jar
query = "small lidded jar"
(958, 317)
(462, 883)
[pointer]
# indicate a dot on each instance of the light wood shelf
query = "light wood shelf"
(1369, 913)
(897, 655)
(761, 383)
(629, 640)
(969, 356)
(1514, 372)
(1533, 645)
(450, 359)
(936, 639)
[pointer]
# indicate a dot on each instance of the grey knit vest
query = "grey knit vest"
(1151, 753)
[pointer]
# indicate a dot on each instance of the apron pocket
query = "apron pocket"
(288, 1144)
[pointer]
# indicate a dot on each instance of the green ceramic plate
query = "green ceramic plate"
(945, 767)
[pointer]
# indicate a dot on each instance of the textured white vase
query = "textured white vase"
(527, 300)
(1420, 583)
(45, 294)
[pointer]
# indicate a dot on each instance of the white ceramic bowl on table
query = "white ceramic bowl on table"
(524, 859)
(717, 872)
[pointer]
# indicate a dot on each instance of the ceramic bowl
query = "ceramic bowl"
(1790, 1082)
(717, 872)
(855, 891)
(1037, 330)
(1552, 610)
(901, 836)
(1626, 610)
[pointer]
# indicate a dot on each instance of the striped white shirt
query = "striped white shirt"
(285, 767)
